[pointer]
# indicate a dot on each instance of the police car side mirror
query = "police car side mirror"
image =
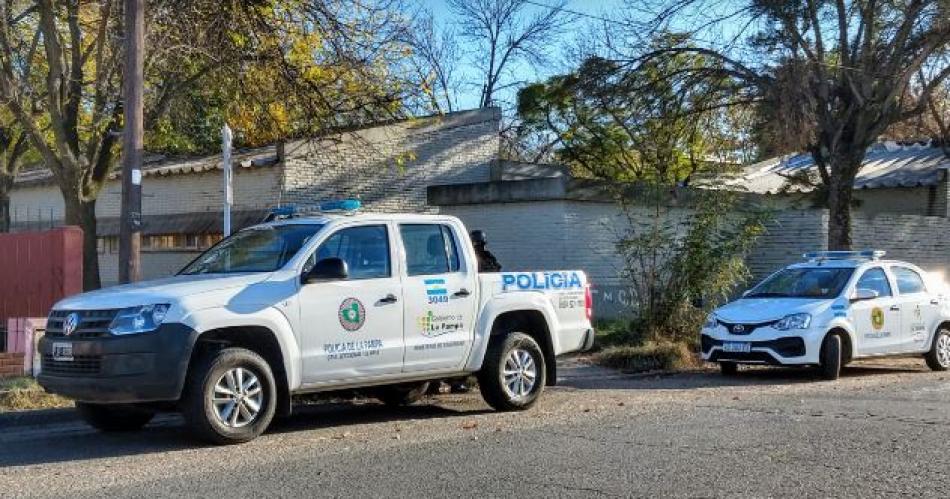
(328, 269)
(864, 294)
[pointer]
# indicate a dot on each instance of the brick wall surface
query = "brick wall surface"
(390, 168)
(11, 364)
(161, 195)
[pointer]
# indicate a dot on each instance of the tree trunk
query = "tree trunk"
(839, 215)
(83, 214)
(6, 183)
(844, 167)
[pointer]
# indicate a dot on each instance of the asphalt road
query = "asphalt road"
(882, 430)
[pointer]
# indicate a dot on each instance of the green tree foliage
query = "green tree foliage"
(648, 135)
(272, 69)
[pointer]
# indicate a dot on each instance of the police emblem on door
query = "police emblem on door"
(352, 314)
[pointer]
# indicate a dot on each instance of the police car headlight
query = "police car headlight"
(794, 321)
(712, 322)
(140, 319)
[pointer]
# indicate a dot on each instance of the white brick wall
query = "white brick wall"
(389, 168)
(187, 193)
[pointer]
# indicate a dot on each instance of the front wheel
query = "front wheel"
(114, 417)
(513, 372)
(938, 358)
(831, 357)
(230, 397)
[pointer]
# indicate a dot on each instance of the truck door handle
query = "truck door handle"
(462, 293)
(895, 308)
(935, 302)
(390, 298)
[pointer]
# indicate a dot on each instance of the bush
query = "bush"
(19, 394)
(650, 356)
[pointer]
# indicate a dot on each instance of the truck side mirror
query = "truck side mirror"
(862, 294)
(328, 269)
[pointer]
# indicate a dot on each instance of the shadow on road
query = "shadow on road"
(582, 377)
(74, 441)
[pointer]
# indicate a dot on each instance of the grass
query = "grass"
(650, 356)
(622, 349)
(22, 394)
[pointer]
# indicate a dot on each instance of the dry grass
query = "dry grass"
(21, 394)
(649, 356)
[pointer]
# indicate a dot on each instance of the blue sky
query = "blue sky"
(470, 94)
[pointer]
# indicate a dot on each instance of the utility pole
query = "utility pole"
(226, 138)
(130, 230)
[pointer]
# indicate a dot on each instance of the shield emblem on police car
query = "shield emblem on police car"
(70, 323)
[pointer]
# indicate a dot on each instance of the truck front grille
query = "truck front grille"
(81, 364)
(92, 323)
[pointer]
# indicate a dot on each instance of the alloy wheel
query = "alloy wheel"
(520, 373)
(943, 350)
(237, 397)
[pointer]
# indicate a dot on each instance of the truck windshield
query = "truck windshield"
(803, 283)
(258, 249)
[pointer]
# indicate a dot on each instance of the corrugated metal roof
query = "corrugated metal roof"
(162, 165)
(885, 165)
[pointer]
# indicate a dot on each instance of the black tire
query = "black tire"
(401, 394)
(729, 368)
(201, 413)
(938, 358)
(831, 361)
(491, 377)
(114, 417)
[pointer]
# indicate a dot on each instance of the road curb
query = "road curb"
(37, 417)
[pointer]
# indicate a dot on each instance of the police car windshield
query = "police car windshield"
(803, 283)
(259, 249)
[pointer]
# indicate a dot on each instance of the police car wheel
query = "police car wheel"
(513, 372)
(831, 361)
(938, 358)
(729, 368)
(402, 394)
(230, 397)
(114, 417)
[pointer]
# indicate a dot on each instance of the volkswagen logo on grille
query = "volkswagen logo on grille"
(70, 323)
(738, 328)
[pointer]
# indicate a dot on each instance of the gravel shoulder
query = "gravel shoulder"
(881, 429)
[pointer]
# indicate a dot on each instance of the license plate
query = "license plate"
(63, 352)
(737, 347)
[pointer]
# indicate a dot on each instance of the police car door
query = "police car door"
(439, 286)
(352, 328)
(878, 320)
(917, 311)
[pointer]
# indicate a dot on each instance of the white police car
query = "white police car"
(830, 309)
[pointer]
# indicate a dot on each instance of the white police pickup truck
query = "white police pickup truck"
(834, 307)
(309, 304)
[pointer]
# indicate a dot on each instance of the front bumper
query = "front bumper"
(147, 367)
(766, 347)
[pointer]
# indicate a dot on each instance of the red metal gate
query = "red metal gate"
(37, 269)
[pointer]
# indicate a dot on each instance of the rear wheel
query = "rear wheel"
(831, 360)
(513, 372)
(230, 397)
(402, 394)
(114, 417)
(938, 358)
(729, 368)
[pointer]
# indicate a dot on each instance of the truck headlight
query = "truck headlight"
(141, 319)
(712, 322)
(794, 321)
